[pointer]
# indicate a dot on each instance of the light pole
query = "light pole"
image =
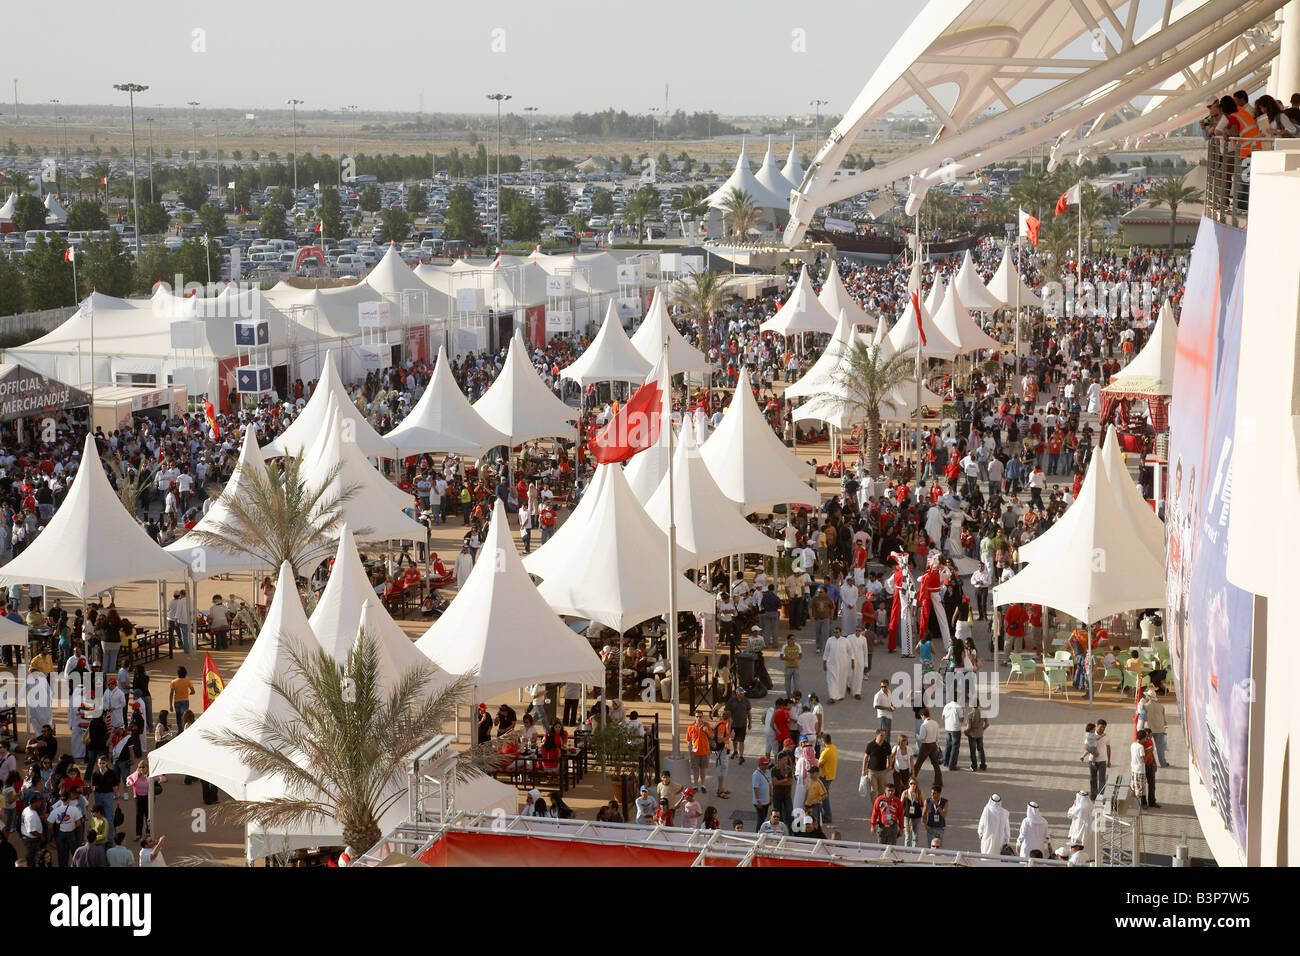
(294, 105)
(653, 111)
(499, 97)
(130, 89)
(817, 105)
(149, 125)
(194, 126)
(57, 152)
(532, 190)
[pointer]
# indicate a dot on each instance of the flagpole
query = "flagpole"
(917, 264)
(1019, 279)
(1078, 281)
(667, 422)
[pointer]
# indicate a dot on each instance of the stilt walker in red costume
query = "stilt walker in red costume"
(902, 617)
(930, 614)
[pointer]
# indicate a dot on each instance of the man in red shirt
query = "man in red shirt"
(1014, 619)
(886, 813)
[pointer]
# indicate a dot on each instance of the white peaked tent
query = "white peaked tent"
(934, 300)
(611, 356)
(903, 337)
(247, 700)
(499, 627)
(1141, 516)
(655, 328)
(7, 210)
(609, 560)
(1005, 282)
(836, 299)
(56, 214)
(518, 404)
(749, 463)
(974, 294)
(793, 170)
(348, 601)
(443, 420)
(801, 312)
(958, 327)
(709, 525)
(376, 503)
(646, 469)
(394, 279)
(303, 432)
(821, 376)
(1151, 372)
(1090, 564)
(91, 543)
(204, 560)
(771, 178)
(741, 178)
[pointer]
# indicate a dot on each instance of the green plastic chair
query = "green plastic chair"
(1064, 656)
(1057, 677)
(1022, 666)
(1129, 681)
(1117, 673)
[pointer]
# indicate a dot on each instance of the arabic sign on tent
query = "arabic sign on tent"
(25, 392)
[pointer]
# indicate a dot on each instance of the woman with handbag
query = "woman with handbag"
(138, 786)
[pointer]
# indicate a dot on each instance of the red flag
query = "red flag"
(636, 426)
(1068, 198)
(212, 682)
(916, 307)
(1029, 227)
(210, 414)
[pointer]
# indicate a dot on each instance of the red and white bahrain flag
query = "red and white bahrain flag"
(1068, 198)
(636, 426)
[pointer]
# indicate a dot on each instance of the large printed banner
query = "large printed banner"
(1209, 620)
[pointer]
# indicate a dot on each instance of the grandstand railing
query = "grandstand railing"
(1227, 177)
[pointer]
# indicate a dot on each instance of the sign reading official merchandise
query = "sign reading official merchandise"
(25, 393)
(372, 315)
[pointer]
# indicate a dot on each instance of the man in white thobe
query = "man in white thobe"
(1081, 820)
(1033, 833)
(464, 565)
(858, 651)
(994, 829)
(835, 662)
(850, 605)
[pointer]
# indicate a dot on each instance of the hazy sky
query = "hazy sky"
(731, 56)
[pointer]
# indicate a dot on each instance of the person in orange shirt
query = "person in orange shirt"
(698, 739)
(1036, 624)
(1014, 619)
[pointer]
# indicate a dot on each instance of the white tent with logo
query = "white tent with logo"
(801, 312)
(609, 561)
(305, 429)
(1092, 563)
(611, 356)
(375, 508)
(499, 627)
(657, 327)
(957, 326)
(91, 543)
(749, 463)
(206, 560)
(836, 299)
(1007, 284)
(709, 524)
(443, 420)
(974, 294)
(1151, 372)
(519, 405)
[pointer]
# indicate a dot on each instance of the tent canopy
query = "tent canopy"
(1141, 516)
(443, 420)
(609, 561)
(836, 299)
(611, 356)
(709, 525)
(1151, 372)
(903, 337)
(655, 328)
(821, 375)
(741, 178)
(801, 312)
(771, 178)
(518, 404)
(305, 430)
(91, 543)
(974, 294)
(793, 169)
(749, 463)
(1007, 284)
(500, 629)
(1091, 563)
(958, 327)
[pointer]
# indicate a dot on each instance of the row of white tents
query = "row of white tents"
(55, 214)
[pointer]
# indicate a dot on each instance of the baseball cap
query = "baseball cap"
(689, 791)
(764, 762)
(1210, 101)
(645, 789)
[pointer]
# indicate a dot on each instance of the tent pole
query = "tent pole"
(672, 586)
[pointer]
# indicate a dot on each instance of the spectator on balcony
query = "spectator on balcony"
(1272, 120)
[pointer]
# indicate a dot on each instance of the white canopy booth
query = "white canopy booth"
(904, 335)
(835, 298)
(957, 326)
(1008, 286)
(443, 420)
(519, 405)
(91, 543)
(305, 429)
(499, 627)
(611, 356)
(974, 294)
(801, 312)
(750, 464)
(819, 376)
(1151, 371)
(743, 179)
(657, 327)
(773, 179)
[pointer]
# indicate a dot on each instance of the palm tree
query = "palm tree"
(638, 209)
(702, 296)
(1173, 191)
(692, 202)
(130, 485)
(862, 384)
(739, 212)
(280, 517)
(342, 749)
(1036, 192)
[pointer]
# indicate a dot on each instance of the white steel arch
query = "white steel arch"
(1020, 81)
